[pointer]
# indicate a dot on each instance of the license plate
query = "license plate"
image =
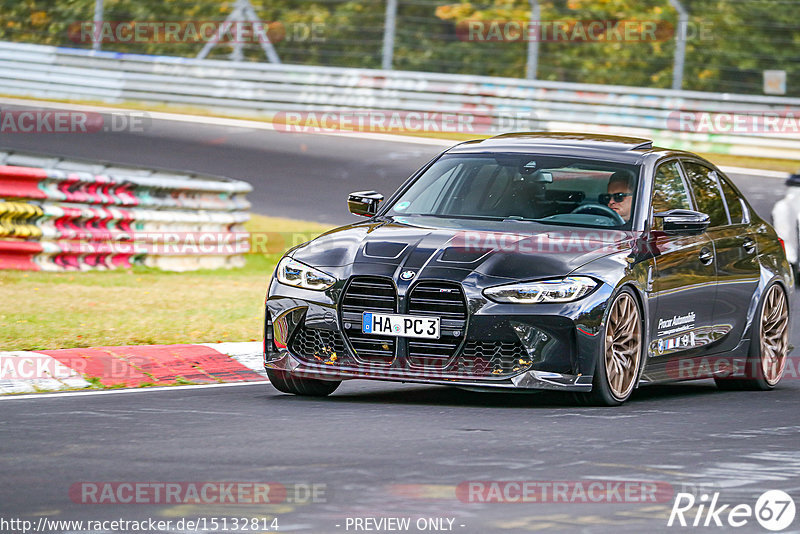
(400, 325)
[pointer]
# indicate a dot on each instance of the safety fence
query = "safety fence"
(58, 215)
(745, 125)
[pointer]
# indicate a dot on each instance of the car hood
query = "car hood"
(513, 250)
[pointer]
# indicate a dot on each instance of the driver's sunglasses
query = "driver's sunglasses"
(605, 198)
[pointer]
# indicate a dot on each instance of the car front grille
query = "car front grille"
(492, 358)
(451, 354)
(438, 299)
(370, 294)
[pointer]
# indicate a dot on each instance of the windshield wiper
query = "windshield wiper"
(479, 217)
(521, 218)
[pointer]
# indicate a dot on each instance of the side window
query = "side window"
(734, 201)
(669, 191)
(707, 193)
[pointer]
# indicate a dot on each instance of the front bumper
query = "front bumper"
(530, 380)
(503, 346)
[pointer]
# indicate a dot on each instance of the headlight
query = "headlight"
(563, 290)
(293, 273)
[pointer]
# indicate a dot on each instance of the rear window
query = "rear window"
(734, 201)
(707, 193)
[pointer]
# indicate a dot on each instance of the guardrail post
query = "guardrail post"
(680, 44)
(533, 42)
(237, 52)
(242, 10)
(263, 38)
(388, 34)
(98, 22)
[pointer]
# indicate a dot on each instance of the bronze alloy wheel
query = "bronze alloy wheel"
(774, 334)
(623, 346)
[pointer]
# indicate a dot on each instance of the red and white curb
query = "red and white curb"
(132, 366)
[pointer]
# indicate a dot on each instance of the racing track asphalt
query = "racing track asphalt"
(300, 176)
(381, 449)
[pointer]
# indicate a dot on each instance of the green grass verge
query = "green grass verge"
(747, 162)
(144, 306)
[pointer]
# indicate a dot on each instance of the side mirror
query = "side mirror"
(364, 203)
(679, 221)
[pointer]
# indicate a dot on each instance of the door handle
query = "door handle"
(706, 257)
(749, 245)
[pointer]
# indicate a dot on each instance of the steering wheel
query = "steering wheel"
(599, 209)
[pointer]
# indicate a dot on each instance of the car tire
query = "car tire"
(769, 345)
(618, 366)
(309, 387)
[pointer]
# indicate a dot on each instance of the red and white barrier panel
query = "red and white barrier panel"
(56, 220)
(145, 191)
(133, 366)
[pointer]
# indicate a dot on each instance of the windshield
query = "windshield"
(546, 189)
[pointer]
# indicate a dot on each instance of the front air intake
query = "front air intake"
(316, 345)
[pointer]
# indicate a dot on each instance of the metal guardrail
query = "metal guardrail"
(58, 215)
(500, 104)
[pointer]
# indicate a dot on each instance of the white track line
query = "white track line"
(79, 393)
(248, 353)
(27, 372)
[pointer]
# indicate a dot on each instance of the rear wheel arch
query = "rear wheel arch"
(756, 376)
(758, 296)
(758, 301)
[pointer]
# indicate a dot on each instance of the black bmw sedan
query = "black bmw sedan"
(560, 261)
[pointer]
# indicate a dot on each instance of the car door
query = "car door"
(735, 251)
(684, 282)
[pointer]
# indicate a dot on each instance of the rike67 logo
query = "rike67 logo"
(774, 510)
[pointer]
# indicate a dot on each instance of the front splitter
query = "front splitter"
(526, 380)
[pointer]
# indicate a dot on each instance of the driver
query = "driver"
(620, 194)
